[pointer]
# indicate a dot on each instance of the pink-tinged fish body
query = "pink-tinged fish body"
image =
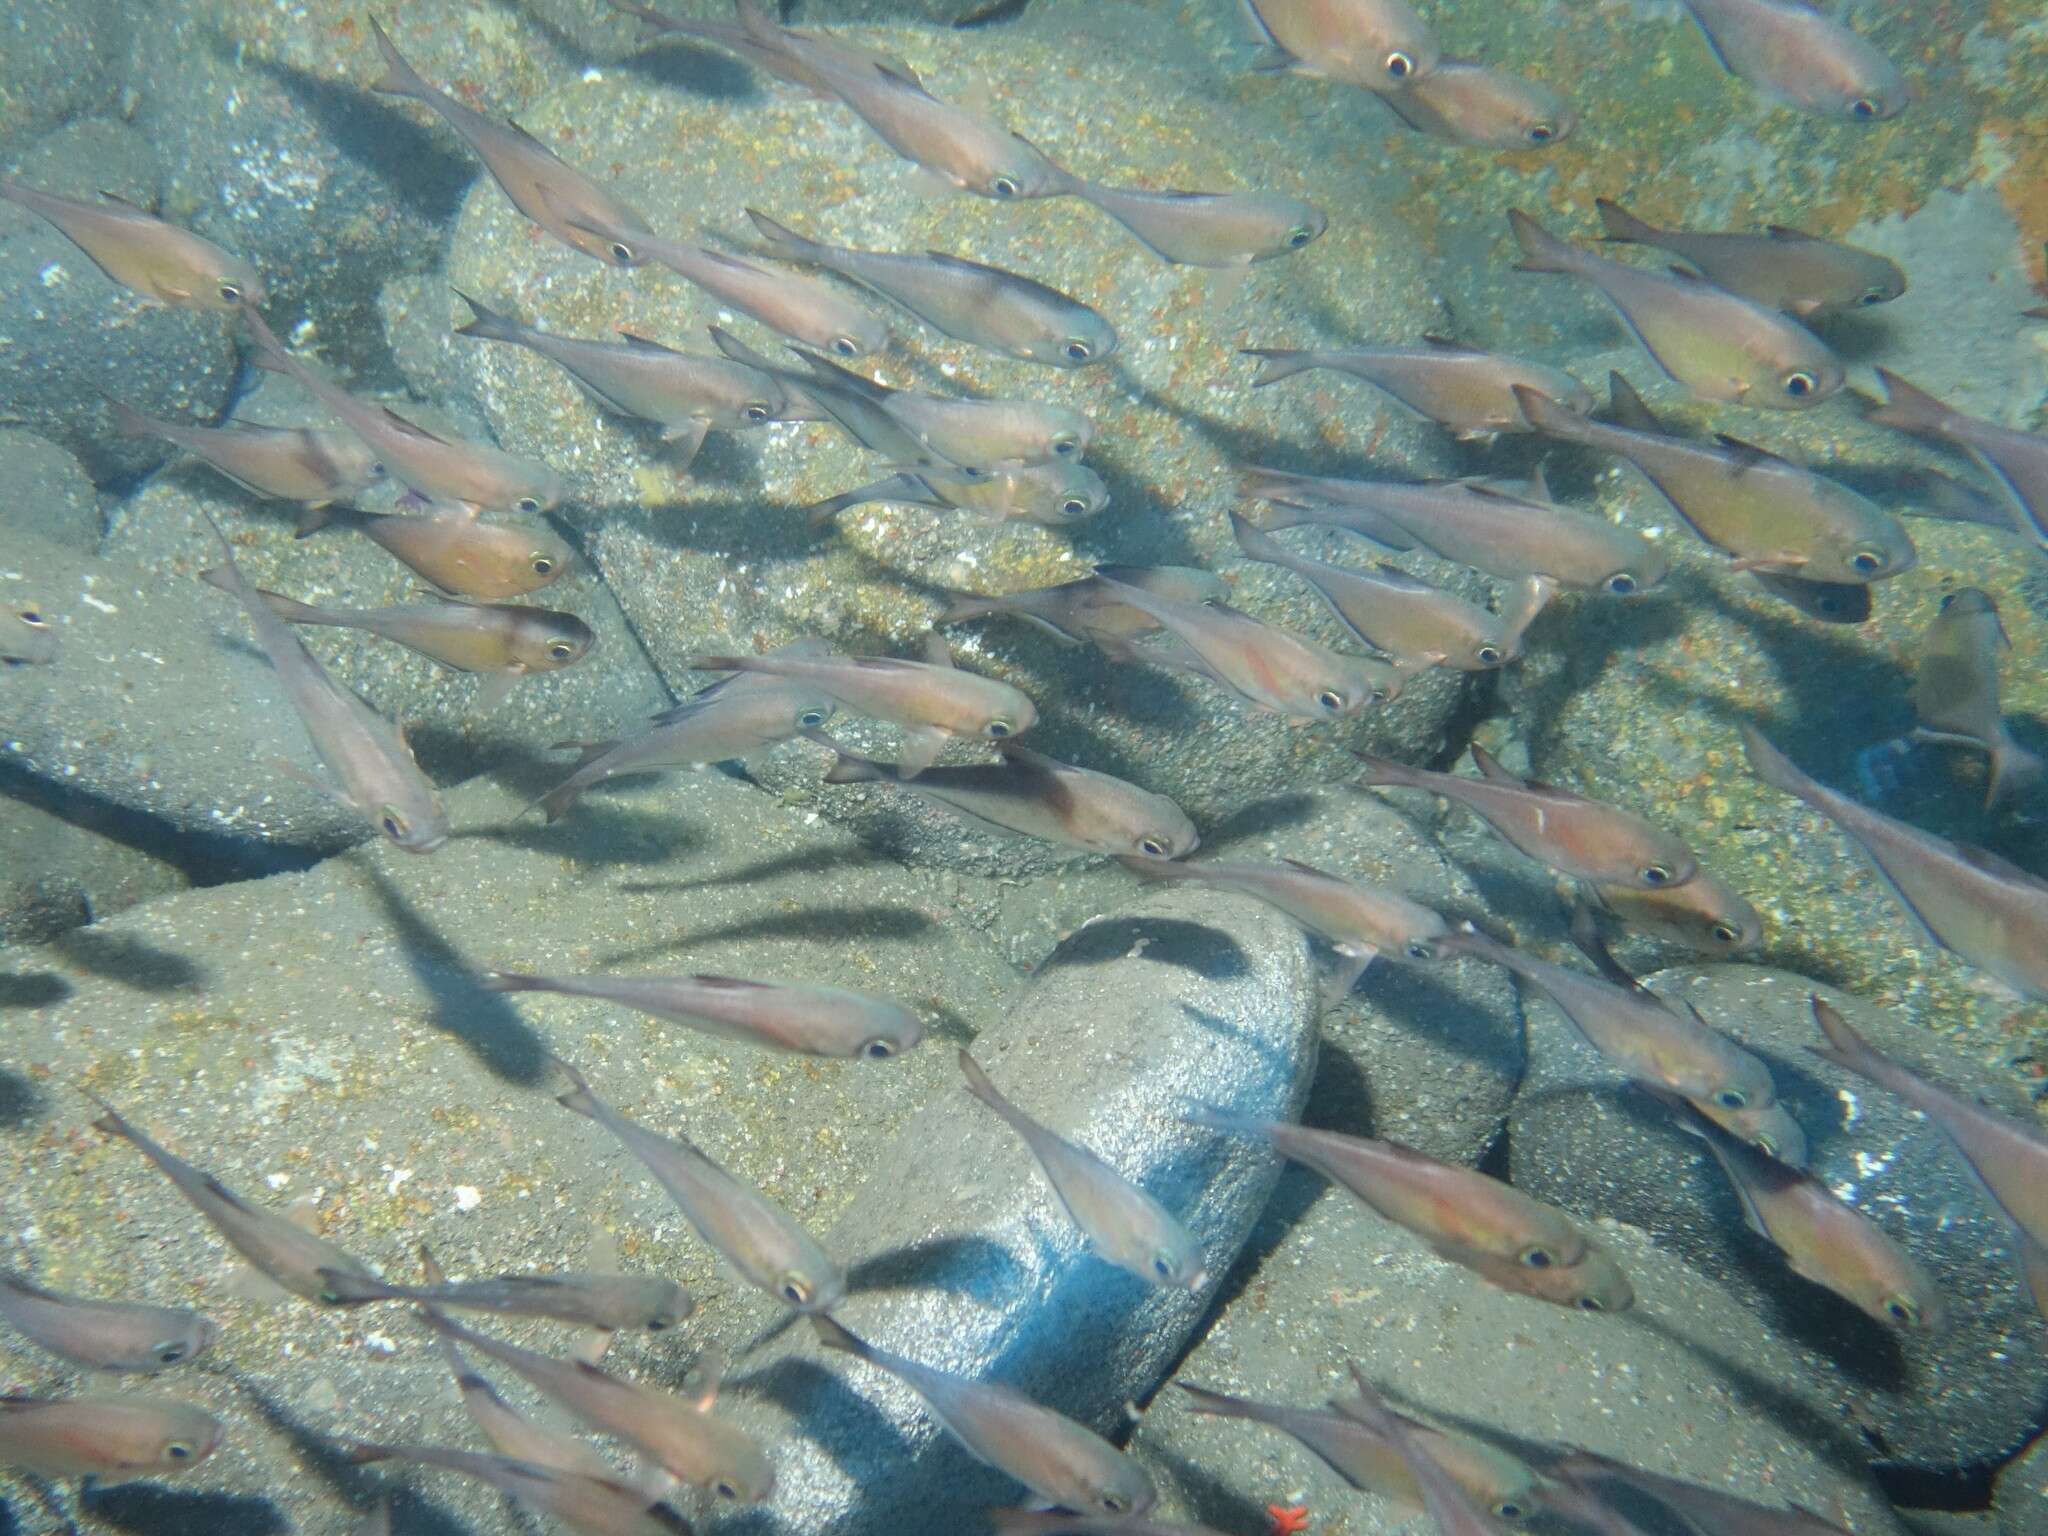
(1783, 268)
(1467, 391)
(792, 304)
(2018, 461)
(142, 253)
(104, 1335)
(304, 464)
(1799, 56)
(586, 1503)
(113, 1438)
(1381, 45)
(1955, 694)
(1477, 105)
(1209, 229)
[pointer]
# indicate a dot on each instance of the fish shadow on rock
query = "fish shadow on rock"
(763, 532)
(851, 924)
(1209, 952)
(151, 1509)
(598, 832)
(1273, 1055)
(948, 1023)
(33, 989)
(808, 862)
(503, 1043)
(412, 160)
(684, 64)
(1423, 1006)
(1260, 819)
(1856, 336)
(1211, 1498)
(20, 1102)
(973, 1266)
(133, 962)
(832, 1415)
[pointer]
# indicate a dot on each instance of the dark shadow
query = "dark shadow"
(20, 1100)
(683, 64)
(1208, 952)
(123, 958)
(488, 1025)
(32, 989)
(946, 1024)
(1214, 1501)
(807, 862)
(418, 162)
(597, 832)
(1419, 1002)
(830, 1412)
(1262, 818)
(1275, 1056)
(973, 1266)
(155, 1509)
(853, 924)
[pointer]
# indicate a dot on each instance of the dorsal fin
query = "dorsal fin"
(1446, 344)
(1490, 769)
(936, 651)
(1787, 232)
(642, 344)
(1628, 408)
(1748, 455)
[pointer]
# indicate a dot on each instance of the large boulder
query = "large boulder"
(57, 62)
(59, 874)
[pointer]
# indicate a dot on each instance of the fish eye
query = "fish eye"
(1004, 186)
(1074, 506)
(1299, 236)
(1732, 1098)
(231, 293)
(378, 471)
(1863, 107)
(1065, 444)
(528, 504)
(755, 410)
(1901, 1310)
(1331, 700)
(1079, 351)
(395, 826)
(1542, 133)
(1591, 1304)
(1537, 1258)
(1417, 950)
(622, 253)
(725, 1488)
(169, 1354)
(1767, 1145)
(1399, 65)
(33, 617)
(1162, 1266)
(1621, 584)
(656, 1324)
(1115, 1503)
(1724, 933)
(1799, 384)
(1508, 1509)
(543, 565)
(812, 718)
(1000, 728)
(561, 650)
(1656, 874)
(1488, 655)
(1151, 847)
(846, 346)
(1867, 560)
(178, 1450)
(878, 1050)
(1874, 296)
(795, 1290)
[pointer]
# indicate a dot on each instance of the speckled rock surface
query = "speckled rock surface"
(73, 332)
(56, 62)
(47, 490)
(59, 875)
(1685, 1383)
(2020, 1496)
(1967, 1393)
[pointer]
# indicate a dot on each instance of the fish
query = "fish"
(1463, 1215)
(608, 1302)
(1222, 230)
(1466, 390)
(686, 396)
(1717, 344)
(458, 553)
(793, 305)
(594, 1506)
(110, 1438)
(27, 637)
(808, 1020)
(1029, 795)
(1121, 1222)
(1587, 839)
(1270, 669)
(1705, 914)
(984, 306)
(1955, 694)
(932, 700)
(1470, 523)
(1800, 57)
(1823, 1239)
(145, 255)
(538, 182)
(1477, 105)
(1785, 269)
(1764, 512)
(1418, 625)
(1361, 922)
(1078, 611)
(972, 434)
(956, 147)
(1055, 495)
(774, 60)
(1988, 913)
(2007, 1157)
(104, 1335)
(754, 1236)
(733, 719)
(296, 1259)
(379, 780)
(1705, 1510)
(2018, 461)
(681, 1435)
(453, 476)
(1449, 1506)
(1064, 1463)
(1056, 1522)
(1381, 45)
(1653, 1042)
(308, 465)
(1367, 1462)
(502, 642)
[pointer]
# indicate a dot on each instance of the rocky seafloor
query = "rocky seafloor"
(207, 942)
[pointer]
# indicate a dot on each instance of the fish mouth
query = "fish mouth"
(428, 845)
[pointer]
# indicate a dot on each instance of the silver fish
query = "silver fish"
(2018, 461)
(1079, 611)
(1448, 1504)
(104, 1335)
(1475, 104)
(1708, 1511)
(799, 307)
(303, 464)
(111, 1438)
(1784, 268)
(1209, 229)
(142, 253)
(608, 1302)
(594, 1506)
(775, 60)
(1468, 391)
(1800, 57)
(1054, 495)
(457, 551)
(1379, 44)
(1955, 694)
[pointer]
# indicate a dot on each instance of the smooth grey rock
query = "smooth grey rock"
(1688, 1383)
(47, 490)
(1967, 1394)
(72, 332)
(59, 875)
(56, 63)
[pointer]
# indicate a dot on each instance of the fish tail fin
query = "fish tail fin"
(362, 1452)
(513, 981)
(487, 323)
(579, 1097)
(1623, 227)
(1907, 408)
(1846, 1048)
(819, 513)
(1384, 770)
(399, 77)
(1254, 542)
(1215, 1405)
(2017, 776)
(290, 609)
(220, 577)
(833, 1336)
(1771, 765)
(129, 422)
(979, 1085)
(849, 767)
(431, 1266)
(781, 239)
(1547, 416)
(969, 605)
(1541, 250)
(1277, 363)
